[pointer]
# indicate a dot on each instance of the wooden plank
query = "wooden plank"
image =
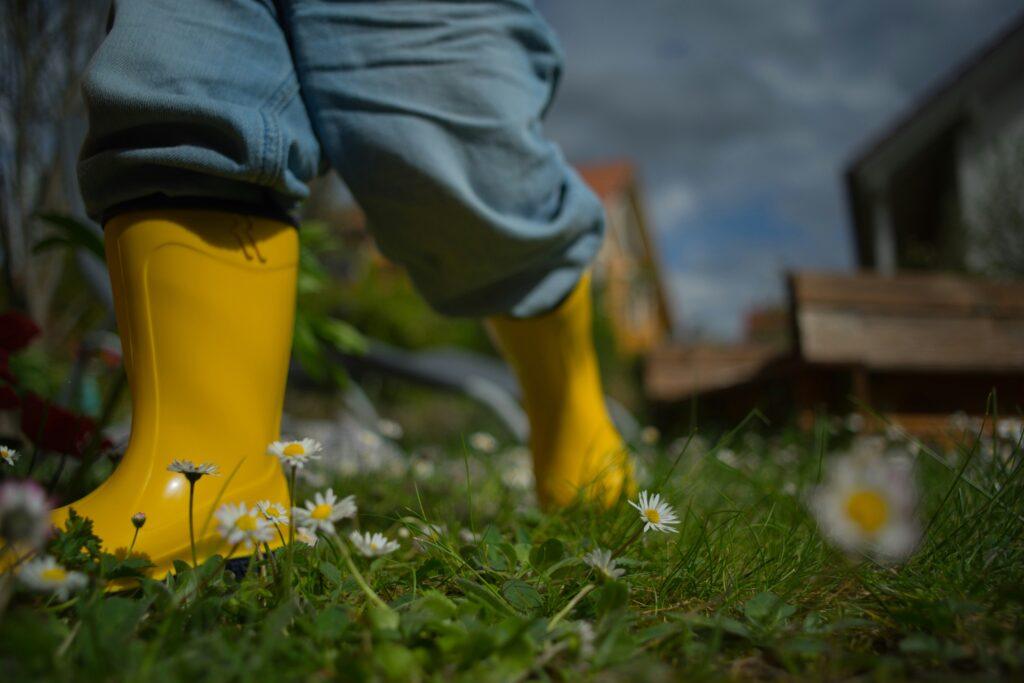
(887, 342)
(678, 372)
(926, 293)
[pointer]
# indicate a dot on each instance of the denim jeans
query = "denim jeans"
(429, 110)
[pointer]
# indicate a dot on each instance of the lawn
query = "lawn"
(484, 587)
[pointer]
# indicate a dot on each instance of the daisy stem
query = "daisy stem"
(568, 607)
(290, 557)
(191, 525)
(135, 537)
(270, 554)
(370, 593)
(629, 541)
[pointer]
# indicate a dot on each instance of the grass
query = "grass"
(746, 589)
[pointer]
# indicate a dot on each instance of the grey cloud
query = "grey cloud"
(727, 102)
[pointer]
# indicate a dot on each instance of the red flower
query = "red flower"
(16, 331)
(54, 428)
(8, 397)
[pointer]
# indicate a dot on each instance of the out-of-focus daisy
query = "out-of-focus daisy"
(8, 455)
(517, 469)
(24, 514)
(324, 510)
(390, 429)
(468, 536)
(655, 513)
(728, 457)
(424, 533)
(295, 453)
(1009, 429)
(307, 536)
(239, 524)
(866, 504)
(602, 560)
(587, 639)
(192, 471)
(275, 513)
(372, 545)
(368, 440)
(423, 469)
(45, 575)
(649, 435)
(483, 442)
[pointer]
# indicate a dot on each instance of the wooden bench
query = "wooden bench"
(917, 346)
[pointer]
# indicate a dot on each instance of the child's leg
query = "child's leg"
(193, 104)
(431, 111)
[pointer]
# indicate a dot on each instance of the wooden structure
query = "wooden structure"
(915, 347)
(913, 187)
(918, 347)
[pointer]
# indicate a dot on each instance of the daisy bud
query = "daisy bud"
(138, 519)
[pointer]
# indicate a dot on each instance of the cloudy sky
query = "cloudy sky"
(741, 115)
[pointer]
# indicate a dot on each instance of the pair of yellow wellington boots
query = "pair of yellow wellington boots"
(205, 307)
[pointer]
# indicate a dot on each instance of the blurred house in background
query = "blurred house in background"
(914, 191)
(935, 201)
(627, 273)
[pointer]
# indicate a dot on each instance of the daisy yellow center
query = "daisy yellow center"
(54, 574)
(246, 523)
(321, 511)
(374, 545)
(293, 449)
(652, 515)
(868, 510)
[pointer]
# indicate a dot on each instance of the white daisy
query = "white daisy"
(587, 639)
(192, 471)
(517, 469)
(372, 545)
(45, 575)
(324, 510)
(855, 423)
(602, 560)
(866, 504)
(8, 455)
(304, 535)
(390, 429)
(483, 442)
(423, 469)
(239, 524)
(275, 513)
(656, 513)
(295, 453)
(728, 457)
(368, 440)
(649, 435)
(24, 514)
(468, 536)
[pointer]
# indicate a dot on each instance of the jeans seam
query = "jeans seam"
(271, 138)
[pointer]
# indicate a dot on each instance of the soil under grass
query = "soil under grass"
(747, 588)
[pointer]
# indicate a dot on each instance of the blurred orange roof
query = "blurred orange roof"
(608, 179)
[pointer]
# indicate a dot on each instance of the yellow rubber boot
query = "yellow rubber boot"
(577, 453)
(205, 302)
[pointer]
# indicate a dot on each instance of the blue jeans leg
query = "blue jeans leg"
(431, 112)
(197, 100)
